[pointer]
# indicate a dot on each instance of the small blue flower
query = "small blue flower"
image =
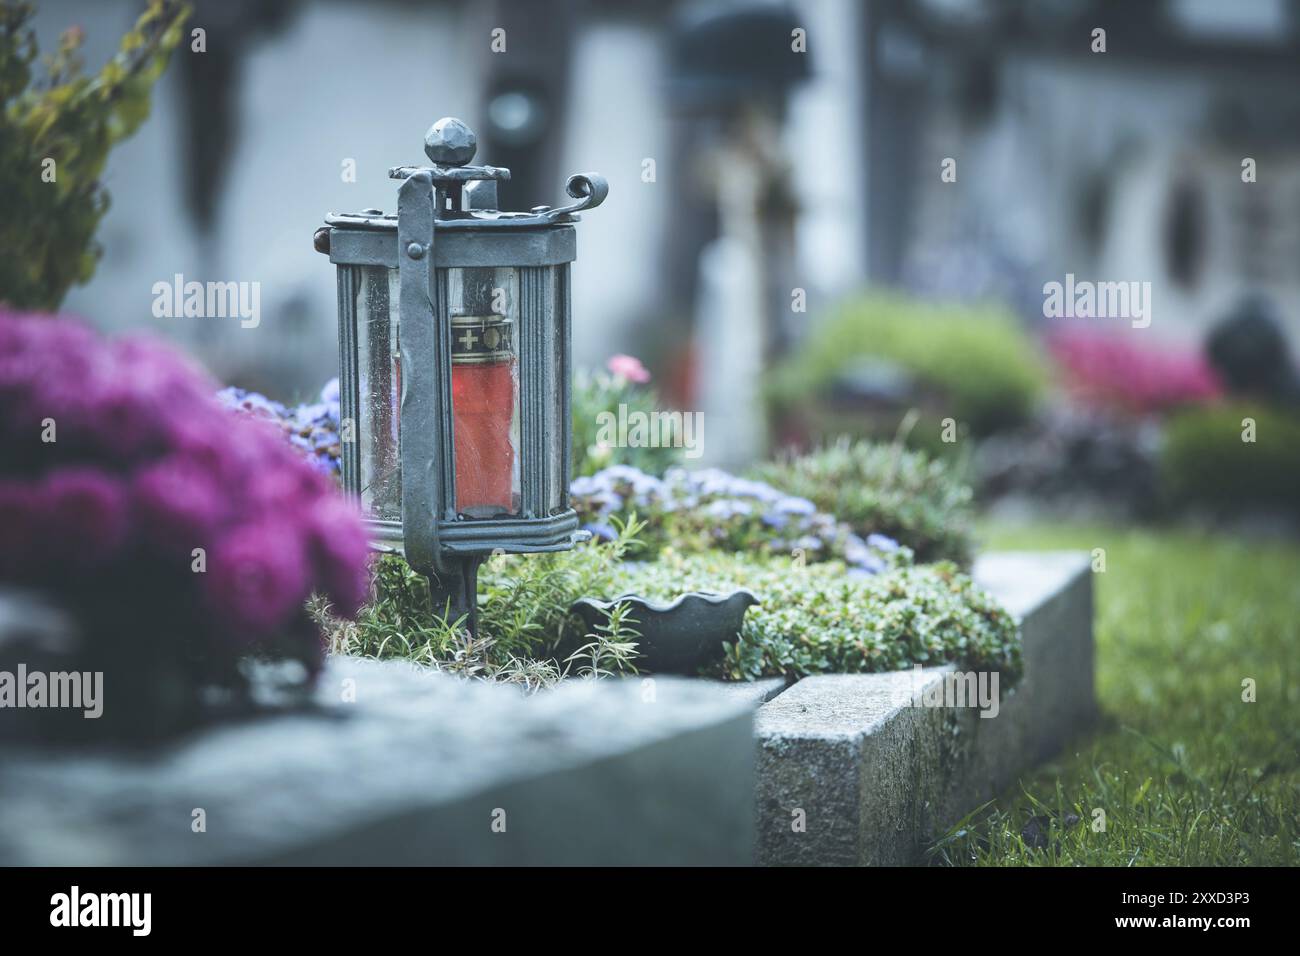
(601, 530)
(790, 505)
(322, 439)
(872, 564)
(728, 508)
(744, 488)
(311, 412)
(809, 543)
(325, 463)
(251, 402)
(230, 396)
(882, 542)
(624, 473)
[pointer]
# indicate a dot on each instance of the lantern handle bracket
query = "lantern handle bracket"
(590, 189)
(427, 455)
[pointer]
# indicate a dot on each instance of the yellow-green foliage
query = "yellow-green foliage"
(47, 231)
(978, 358)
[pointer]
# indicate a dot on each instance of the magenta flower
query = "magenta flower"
(85, 506)
(288, 486)
(146, 467)
(628, 367)
(179, 505)
(1106, 369)
(20, 530)
(224, 454)
(129, 428)
(339, 548)
(257, 577)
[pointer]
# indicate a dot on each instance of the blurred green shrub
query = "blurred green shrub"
(985, 366)
(885, 489)
(1205, 460)
(595, 393)
(53, 210)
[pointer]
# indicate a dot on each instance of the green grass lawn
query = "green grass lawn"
(1184, 770)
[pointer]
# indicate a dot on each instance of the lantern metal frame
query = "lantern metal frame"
(447, 219)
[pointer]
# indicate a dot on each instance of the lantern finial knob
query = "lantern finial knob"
(450, 142)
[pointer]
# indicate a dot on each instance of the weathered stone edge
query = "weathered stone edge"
(876, 778)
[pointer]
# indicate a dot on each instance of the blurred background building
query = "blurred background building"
(758, 155)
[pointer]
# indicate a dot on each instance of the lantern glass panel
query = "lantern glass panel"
(553, 351)
(484, 309)
(379, 388)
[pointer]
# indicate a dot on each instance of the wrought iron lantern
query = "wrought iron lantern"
(454, 354)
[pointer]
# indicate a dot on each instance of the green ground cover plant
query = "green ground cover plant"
(524, 618)
(815, 618)
(825, 619)
(879, 488)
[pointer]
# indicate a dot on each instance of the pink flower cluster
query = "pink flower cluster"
(628, 367)
(119, 465)
(1107, 370)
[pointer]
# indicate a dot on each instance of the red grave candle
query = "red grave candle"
(483, 389)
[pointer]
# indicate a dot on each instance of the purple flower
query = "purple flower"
(131, 427)
(861, 555)
(323, 462)
(85, 506)
(744, 488)
(601, 530)
(593, 495)
(312, 428)
(809, 543)
(179, 505)
(257, 577)
(790, 505)
(20, 529)
(882, 542)
(624, 473)
(872, 564)
(306, 416)
(725, 509)
(251, 402)
(148, 465)
(339, 549)
(712, 508)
